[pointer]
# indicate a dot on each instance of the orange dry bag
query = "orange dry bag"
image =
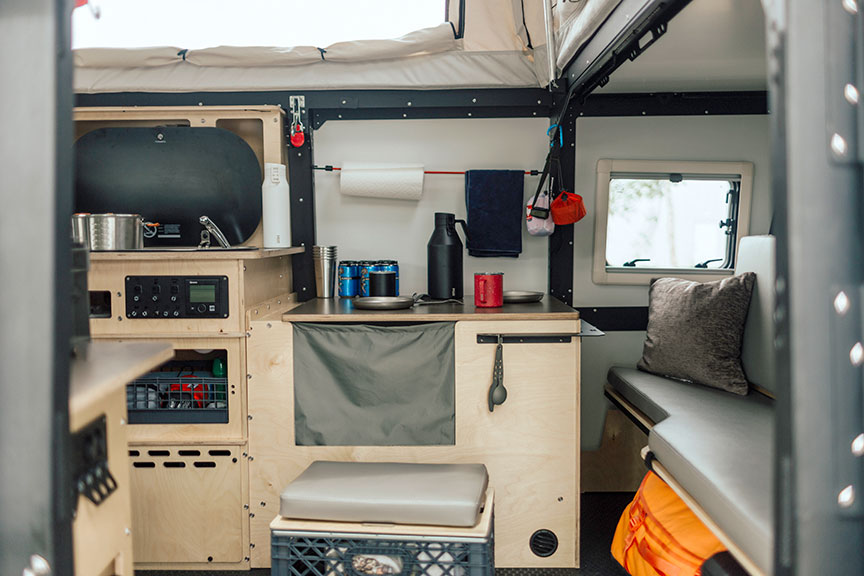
(567, 208)
(658, 535)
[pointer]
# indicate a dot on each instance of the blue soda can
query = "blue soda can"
(349, 279)
(365, 266)
(389, 266)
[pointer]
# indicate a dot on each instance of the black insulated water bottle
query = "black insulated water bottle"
(444, 258)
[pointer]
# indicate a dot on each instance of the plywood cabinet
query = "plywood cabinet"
(188, 428)
(188, 505)
(101, 535)
(529, 444)
(233, 429)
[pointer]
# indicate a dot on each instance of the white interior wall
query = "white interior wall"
(720, 138)
(371, 228)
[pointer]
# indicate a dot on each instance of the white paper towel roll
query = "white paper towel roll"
(399, 181)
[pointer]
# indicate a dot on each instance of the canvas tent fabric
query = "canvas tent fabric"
(577, 22)
(503, 46)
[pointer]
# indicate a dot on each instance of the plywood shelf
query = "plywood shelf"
(343, 310)
(107, 366)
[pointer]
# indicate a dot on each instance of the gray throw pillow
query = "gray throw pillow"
(695, 330)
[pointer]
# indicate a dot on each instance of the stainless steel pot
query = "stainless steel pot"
(80, 230)
(116, 231)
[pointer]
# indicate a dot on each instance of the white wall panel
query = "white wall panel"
(371, 228)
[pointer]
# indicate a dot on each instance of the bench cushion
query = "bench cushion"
(718, 446)
(758, 254)
(659, 397)
(387, 492)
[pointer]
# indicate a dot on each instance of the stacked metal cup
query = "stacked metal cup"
(324, 259)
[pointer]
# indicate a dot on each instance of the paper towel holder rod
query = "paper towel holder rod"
(329, 168)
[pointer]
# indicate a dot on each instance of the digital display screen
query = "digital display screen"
(205, 293)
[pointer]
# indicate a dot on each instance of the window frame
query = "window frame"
(643, 275)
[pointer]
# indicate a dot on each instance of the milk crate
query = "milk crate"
(312, 548)
(310, 554)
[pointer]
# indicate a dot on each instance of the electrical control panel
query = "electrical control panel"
(171, 297)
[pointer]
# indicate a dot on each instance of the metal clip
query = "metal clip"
(205, 239)
(298, 107)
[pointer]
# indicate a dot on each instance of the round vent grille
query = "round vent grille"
(543, 543)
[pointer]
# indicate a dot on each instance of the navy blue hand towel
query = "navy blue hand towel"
(494, 201)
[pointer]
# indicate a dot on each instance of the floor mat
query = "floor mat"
(599, 516)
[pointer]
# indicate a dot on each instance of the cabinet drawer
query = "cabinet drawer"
(188, 504)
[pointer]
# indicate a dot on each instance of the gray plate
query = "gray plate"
(521, 296)
(383, 302)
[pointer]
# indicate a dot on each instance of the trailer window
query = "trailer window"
(197, 24)
(669, 218)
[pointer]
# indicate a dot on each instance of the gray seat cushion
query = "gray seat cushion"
(718, 446)
(386, 492)
(659, 397)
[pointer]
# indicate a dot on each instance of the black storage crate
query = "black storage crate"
(328, 554)
(181, 392)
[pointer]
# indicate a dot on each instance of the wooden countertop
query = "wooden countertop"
(342, 310)
(106, 366)
(192, 254)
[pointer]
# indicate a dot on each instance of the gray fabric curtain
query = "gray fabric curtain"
(362, 385)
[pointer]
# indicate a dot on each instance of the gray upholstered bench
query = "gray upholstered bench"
(715, 448)
(425, 519)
